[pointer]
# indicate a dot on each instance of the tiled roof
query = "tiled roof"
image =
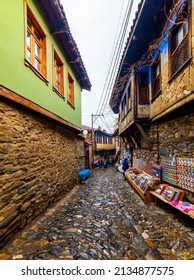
(56, 19)
(88, 128)
(96, 131)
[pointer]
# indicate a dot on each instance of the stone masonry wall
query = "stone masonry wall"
(168, 139)
(39, 161)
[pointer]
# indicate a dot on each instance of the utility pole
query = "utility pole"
(93, 121)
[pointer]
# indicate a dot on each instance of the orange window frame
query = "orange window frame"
(58, 74)
(71, 94)
(35, 45)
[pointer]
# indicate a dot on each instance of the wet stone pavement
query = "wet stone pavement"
(105, 219)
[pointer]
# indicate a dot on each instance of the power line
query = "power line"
(112, 54)
(115, 58)
(118, 54)
(105, 123)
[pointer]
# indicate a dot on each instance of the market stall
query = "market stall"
(142, 182)
(169, 182)
(174, 197)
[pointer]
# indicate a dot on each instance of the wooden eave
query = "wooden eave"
(56, 20)
(130, 134)
(147, 27)
(10, 95)
(97, 131)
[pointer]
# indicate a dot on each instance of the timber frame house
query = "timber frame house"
(153, 92)
(154, 83)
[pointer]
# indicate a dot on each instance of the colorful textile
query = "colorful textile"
(185, 206)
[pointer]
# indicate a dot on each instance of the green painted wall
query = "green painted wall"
(15, 76)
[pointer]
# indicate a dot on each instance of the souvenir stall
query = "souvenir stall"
(175, 198)
(142, 182)
(178, 172)
(177, 175)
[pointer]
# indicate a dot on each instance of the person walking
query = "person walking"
(125, 165)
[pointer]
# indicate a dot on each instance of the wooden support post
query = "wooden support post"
(134, 139)
(144, 135)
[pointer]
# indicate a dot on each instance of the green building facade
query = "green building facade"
(17, 77)
(41, 79)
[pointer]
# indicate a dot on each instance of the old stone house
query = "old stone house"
(154, 90)
(103, 145)
(99, 145)
(41, 78)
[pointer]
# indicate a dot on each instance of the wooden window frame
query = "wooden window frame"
(125, 108)
(129, 98)
(71, 92)
(179, 49)
(145, 89)
(156, 79)
(58, 67)
(123, 104)
(33, 28)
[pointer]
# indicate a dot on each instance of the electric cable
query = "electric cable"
(115, 59)
(118, 54)
(112, 54)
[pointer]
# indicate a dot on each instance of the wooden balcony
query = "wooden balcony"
(99, 147)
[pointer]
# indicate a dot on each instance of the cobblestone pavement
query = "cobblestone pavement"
(105, 219)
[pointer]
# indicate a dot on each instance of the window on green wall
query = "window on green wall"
(58, 78)
(35, 45)
(71, 99)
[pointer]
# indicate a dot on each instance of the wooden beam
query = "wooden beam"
(130, 141)
(144, 135)
(135, 141)
(26, 103)
(123, 137)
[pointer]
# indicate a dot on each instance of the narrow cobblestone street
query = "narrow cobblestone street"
(105, 219)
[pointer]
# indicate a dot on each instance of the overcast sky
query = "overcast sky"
(93, 24)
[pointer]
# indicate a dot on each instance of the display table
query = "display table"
(159, 196)
(173, 197)
(142, 182)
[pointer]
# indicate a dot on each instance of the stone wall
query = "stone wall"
(39, 161)
(169, 138)
(173, 138)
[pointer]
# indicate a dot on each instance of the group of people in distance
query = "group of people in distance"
(107, 162)
(111, 162)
